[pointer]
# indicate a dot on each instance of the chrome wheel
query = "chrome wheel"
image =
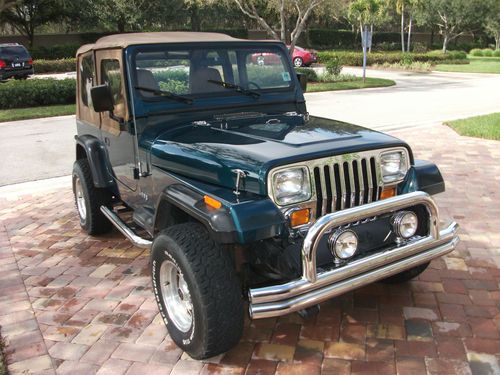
(297, 62)
(176, 297)
(80, 199)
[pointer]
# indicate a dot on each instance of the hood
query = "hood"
(210, 152)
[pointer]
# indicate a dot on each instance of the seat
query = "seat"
(145, 78)
(199, 80)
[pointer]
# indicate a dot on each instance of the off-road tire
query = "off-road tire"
(214, 289)
(407, 275)
(94, 221)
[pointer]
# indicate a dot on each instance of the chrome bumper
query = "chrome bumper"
(314, 288)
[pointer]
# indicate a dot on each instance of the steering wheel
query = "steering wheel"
(253, 83)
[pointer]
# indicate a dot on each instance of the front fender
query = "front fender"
(235, 222)
(423, 176)
(97, 156)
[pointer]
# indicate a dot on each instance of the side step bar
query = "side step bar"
(126, 231)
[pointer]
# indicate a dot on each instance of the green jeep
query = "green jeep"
(191, 146)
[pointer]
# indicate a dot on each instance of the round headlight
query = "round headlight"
(291, 186)
(405, 224)
(343, 244)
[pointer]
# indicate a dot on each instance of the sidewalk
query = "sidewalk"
(75, 304)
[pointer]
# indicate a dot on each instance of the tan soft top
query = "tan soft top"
(125, 40)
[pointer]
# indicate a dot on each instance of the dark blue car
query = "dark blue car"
(15, 62)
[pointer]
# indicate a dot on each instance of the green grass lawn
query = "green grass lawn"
(36, 112)
(349, 85)
(477, 65)
(487, 126)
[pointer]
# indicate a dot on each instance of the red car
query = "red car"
(301, 57)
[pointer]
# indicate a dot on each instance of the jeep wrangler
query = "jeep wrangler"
(191, 148)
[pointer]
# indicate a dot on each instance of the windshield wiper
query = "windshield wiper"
(236, 88)
(166, 94)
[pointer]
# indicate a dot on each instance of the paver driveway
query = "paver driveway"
(72, 304)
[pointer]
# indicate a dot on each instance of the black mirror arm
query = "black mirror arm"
(124, 125)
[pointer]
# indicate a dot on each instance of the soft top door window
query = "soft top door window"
(111, 72)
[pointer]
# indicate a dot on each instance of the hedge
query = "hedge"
(486, 52)
(65, 51)
(356, 58)
(37, 92)
(54, 66)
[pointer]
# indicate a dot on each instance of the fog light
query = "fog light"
(343, 244)
(405, 224)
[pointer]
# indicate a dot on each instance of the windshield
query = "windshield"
(201, 71)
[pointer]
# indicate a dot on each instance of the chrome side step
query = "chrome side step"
(125, 230)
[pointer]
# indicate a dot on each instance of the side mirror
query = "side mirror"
(303, 81)
(101, 98)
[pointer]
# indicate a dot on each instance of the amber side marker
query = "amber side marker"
(388, 193)
(300, 217)
(211, 202)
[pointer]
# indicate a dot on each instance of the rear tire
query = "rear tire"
(197, 291)
(89, 199)
(298, 62)
(407, 275)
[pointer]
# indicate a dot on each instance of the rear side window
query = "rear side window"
(111, 75)
(13, 52)
(86, 79)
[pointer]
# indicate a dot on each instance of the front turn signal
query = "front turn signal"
(388, 193)
(300, 217)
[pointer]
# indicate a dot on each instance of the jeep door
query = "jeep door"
(119, 140)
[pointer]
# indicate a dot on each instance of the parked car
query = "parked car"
(15, 61)
(300, 57)
(191, 149)
(303, 57)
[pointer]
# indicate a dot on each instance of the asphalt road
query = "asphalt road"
(44, 148)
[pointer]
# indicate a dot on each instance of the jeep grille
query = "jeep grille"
(345, 184)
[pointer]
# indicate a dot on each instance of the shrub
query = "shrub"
(310, 73)
(476, 52)
(419, 47)
(37, 92)
(414, 66)
(487, 52)
(54, 52)
(55, 66)
(356, 58)
(496, 53)
(333, 66)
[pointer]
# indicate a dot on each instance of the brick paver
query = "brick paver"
(70, 303)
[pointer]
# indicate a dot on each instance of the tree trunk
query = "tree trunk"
(283, 21)
(403, 29)
(409, 34)
(195, 18)
(497, 42)
(31, 34)
(445, 42)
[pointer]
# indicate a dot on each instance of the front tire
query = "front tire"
(197, 291)
(89, 199)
